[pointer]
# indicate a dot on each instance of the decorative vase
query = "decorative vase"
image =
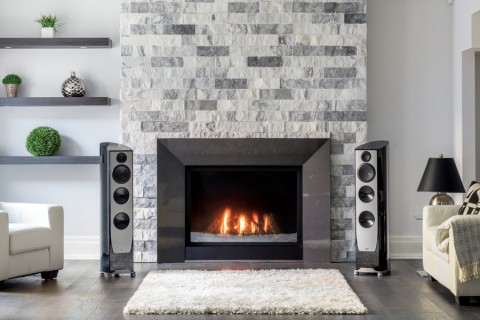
(73, 87)
(11, 90)
(48, 32)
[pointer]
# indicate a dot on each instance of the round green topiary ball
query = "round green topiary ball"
(43, 141)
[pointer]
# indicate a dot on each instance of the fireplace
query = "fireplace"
(250, 199)
(242, 212)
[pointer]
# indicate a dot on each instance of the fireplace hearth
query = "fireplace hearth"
(243, 199)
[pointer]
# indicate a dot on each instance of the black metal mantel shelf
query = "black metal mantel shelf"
(14, 160)
(52, 43)
(54, 101)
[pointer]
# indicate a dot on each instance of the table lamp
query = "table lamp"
(441, 176)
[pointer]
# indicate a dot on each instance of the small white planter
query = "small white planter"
(48, 33)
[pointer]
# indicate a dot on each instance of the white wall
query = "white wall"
(409, 103)
(462, 40)
(76, 187)
(409, 99)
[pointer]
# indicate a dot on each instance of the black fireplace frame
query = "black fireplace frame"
(244, 250)
(174, 155)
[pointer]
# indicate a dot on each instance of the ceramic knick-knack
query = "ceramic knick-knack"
(73, 87)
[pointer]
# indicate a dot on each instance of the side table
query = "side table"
(421, 273)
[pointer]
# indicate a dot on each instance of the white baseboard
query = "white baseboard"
(406, 247)
(82, 248)
(88, 248)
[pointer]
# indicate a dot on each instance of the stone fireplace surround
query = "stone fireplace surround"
(243, 69)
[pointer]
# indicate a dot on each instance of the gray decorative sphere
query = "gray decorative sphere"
(73, 87)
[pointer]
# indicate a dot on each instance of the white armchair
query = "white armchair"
(31, 240)
(442, 266)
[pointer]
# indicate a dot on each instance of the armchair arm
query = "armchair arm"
(4, 245)
(436, 215)
(47, 215)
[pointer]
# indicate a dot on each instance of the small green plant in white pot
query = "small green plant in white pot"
(11, 82)
(49, 24)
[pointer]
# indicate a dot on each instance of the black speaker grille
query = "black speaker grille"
(121, 221)
(366, 172)
(121, 174)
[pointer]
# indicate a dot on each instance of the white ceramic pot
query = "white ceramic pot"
(48, 33)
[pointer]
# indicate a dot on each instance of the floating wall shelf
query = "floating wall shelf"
(54, 101)
(51, 160)
(46, 43)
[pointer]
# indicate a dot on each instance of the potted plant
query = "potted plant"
(49, 25)
(11, 82)
(43, 141)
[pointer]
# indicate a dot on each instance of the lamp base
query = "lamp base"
(441, 199)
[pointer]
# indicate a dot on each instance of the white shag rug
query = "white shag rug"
(299, 291)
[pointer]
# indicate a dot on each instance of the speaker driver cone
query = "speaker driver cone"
(366, 156)
(121, 221)
(121, 174)
(366, 172)
(366, 194)
(121, 157)
(366, 219)
(121, 195)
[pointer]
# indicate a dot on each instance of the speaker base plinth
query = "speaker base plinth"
(116, 274)
(379, 273)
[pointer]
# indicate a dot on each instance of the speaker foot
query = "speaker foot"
(117, 273)
(371, 271)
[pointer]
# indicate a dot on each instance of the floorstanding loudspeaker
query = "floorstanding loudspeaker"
(371, 210)
(117, 209)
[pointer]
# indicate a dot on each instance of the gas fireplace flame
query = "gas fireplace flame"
(242, 223)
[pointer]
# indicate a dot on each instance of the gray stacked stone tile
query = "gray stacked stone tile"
(244, 69)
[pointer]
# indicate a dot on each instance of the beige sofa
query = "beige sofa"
(31, 240)
(441, 266)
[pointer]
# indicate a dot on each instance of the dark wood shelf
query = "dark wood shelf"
(51, 43)
(51, 160)
(54, 101)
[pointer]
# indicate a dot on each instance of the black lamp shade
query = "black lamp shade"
(441, 175)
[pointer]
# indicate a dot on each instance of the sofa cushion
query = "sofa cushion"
(25, 237)
(471, 199)
(431, 243)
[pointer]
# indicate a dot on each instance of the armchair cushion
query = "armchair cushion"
(26, 237)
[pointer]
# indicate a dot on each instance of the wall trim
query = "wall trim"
(406, 247)
(88, 248)
(82, 248)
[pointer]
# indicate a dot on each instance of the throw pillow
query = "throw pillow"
(471, 200)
